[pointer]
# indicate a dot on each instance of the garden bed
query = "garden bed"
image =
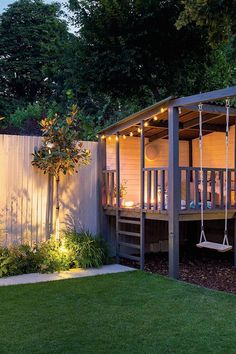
(205, 268)
(213, 271)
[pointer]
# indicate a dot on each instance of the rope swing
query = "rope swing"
(203, 243)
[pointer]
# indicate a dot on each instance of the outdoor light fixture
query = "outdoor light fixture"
(124, 137)
(139, 130)
(131, 134)
(117, 138)
(155, 118)
(146, 124)
(103, 137)
(129, 204)
(162, 110)
(109, 138)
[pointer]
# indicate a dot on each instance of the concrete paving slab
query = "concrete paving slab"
(70, 274)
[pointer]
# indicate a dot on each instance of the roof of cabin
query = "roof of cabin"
(156, 117)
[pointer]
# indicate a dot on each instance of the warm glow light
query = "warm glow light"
(131, 134)
(155, 118)
(129, 204)
(162, 110)
(109, 138)
(117, 138)
(139, 130)
(146, 124)
(124, 137)
(103, 137)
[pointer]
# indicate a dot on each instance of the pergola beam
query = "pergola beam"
(213, 108)
(204, 97)
(192, 125)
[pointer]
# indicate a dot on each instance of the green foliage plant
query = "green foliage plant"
(60, 153)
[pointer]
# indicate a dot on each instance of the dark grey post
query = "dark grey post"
(173, 192)
(235, 193)
(142, 216)
(103, 219)
(235, 242)
(117, 193)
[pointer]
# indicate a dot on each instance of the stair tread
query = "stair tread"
(128, 233)
(133, 222)
(129, 256)
(128, 244)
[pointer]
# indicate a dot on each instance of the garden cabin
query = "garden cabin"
(152, 179)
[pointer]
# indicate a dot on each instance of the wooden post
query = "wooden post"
(190, 158)
(103, 220)
(142, 216)
(235, 242)
(173, 192)
(117, 193)
(235, 164)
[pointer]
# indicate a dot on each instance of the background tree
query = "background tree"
(33, 44)
(60, 152)
(132, 48)
(216, 16)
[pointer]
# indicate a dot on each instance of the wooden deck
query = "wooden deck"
(184, 215)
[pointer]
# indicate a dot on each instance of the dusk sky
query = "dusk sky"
(4, 3)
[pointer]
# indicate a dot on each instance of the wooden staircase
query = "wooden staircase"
(130, 243)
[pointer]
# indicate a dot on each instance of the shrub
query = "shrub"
(86, 250)
(53, 256)
(17, 260)
(73, 250)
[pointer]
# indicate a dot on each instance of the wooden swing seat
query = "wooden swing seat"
(214, 246)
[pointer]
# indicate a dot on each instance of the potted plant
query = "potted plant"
(123, 192)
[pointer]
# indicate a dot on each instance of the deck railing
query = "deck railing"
(110, 188)
(214, 188)
(156, 188)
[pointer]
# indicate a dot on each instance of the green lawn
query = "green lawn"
(130, 312)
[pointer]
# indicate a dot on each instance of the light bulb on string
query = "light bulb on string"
(131, 134)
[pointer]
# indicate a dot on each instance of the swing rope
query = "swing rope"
(203, 243)
(202, 236)
(227, 106)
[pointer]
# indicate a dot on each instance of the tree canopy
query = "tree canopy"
(32, 44)
(132, 48)
(217, 16)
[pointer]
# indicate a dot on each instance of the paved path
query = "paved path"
(73, 273)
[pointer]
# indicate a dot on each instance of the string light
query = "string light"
(146, 124)
(155, 118)
(131, 134)
(139, 130)
(162, 110)
(109, 138)
(117, 138)
(103, 137)
(124, 137)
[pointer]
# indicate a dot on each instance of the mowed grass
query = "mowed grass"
(130, 312)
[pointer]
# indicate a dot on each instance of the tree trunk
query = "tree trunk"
(57, 235)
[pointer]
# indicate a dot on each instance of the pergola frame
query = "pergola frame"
(172, 132)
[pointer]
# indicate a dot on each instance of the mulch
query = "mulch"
(209, 269)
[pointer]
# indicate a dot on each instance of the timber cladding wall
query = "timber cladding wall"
(25, 193)
(130, 161)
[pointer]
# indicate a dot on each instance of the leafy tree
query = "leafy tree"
(60, 152)
(217, 16)
(131, 48)
(33, 44)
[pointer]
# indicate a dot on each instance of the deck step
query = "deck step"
(129, 256)
(133, 222)
(127, 244)
(128, 233)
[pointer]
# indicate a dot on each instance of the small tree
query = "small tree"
(60, 153)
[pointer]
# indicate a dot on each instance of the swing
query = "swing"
(203, 243)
